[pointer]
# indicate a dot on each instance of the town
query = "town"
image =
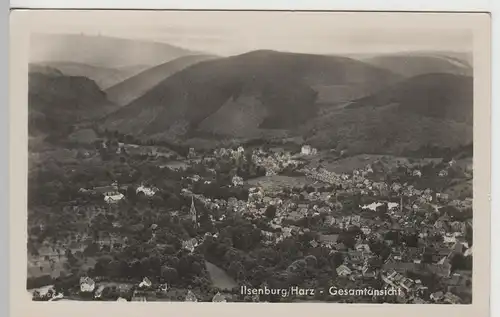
(149, 222)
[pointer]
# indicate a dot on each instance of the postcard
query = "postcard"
(261, 159)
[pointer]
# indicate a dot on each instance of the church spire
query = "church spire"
(193, 212)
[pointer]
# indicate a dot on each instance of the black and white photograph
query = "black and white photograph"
(265, 158)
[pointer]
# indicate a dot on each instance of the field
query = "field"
(48, 262)
(461, 190)
(348, 164)
(219, 278)
(271, 183)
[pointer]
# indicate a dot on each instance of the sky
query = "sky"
(231, 33)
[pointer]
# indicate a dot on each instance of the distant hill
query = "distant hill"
(43, 69)
(103, 76)
(443, 96)
(383, 130)
(245, 93)
(134, 87)
(419, 63)
(57, 102)
(101, 51)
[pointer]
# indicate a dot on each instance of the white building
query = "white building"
(443, 173)
(148, 191)
(87, 284)
(190, 245)
(191, 297)
(219, 298)
(146, 282)
(237, 181)
(163, 288)
(112, 198)
(308, 150)
(343, 270)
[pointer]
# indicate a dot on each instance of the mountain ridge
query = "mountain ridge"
(135, 86)
(281, 82)
(101, 51)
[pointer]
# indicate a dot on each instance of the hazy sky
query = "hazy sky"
(228, 33)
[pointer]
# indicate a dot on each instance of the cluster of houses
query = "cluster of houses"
(358, 264)
(140, 292)
(402, 259)
(113, 194)
(274, 162)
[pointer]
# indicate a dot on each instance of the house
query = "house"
(287, 232)
(400, 267)
(369, 272)
(218, 298)
(175, 166)
(190, 297)
(449, 238)
(104, 189)
(396, 187)
(442, 197)
(308, 150)
(237, 181)
(443, 173)
(99, 291)
(148, 191)
(396, 255)
(458, 226)
(190, 244)
(407, 284)
(163, 288)
(441, 222)
(441, 269)
(356, 259)
(343, 270)
(56, 297)
(355, 220)
(468, 252)
(363, 247)
(146, 282)
(87, 284)
(456, 282)
(437, 296)
(328, 239)
(417, 173)
(413, 254)
(113, 197)
(418, 300)
(393, 278)
(419, 288)
(366, 230)
(451, 298)
(191, 153)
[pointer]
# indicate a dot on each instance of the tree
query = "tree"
(468, 235)
(459, 262)
(91, 249)
(114, 269)
(270, 212)
(169, 274)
